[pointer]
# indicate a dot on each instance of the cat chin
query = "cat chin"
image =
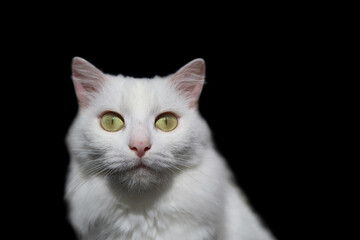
(140, 179)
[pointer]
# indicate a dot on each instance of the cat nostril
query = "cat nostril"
(140, 150)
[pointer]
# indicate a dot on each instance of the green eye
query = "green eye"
(166, 122)
(111, 122)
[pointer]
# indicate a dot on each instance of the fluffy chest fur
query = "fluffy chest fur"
(189, 208)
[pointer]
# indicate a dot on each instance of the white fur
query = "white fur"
(188, 194)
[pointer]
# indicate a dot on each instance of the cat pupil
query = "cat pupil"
(112, 121)
(166, 121)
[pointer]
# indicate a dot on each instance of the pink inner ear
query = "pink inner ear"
(189, 80)
(87, 78)
(195, 95)
(81, 95)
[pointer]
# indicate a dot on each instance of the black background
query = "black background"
(258, 101)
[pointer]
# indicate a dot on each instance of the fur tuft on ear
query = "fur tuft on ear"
(189, 80)
(87, 80)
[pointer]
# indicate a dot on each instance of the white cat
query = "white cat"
(143, 165)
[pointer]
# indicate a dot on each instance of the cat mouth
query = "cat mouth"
(140, 166)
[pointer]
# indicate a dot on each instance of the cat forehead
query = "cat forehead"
(139, 96)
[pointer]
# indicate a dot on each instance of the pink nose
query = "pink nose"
(140, 147)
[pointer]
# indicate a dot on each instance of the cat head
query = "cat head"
(141, 132)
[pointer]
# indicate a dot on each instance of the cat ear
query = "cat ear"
(87, 80)
(189, 80)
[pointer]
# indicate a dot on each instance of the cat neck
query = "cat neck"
(137, 198)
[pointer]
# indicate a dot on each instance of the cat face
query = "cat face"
(140, 132)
